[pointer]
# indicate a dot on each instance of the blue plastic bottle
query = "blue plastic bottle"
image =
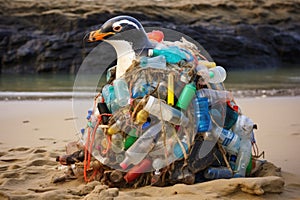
(172, 54)
(217, 173)
(201, 114)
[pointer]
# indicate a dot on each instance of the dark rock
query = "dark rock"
(35, 38)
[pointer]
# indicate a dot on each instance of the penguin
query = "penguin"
(127, 36)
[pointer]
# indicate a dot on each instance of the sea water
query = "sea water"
(47, 86)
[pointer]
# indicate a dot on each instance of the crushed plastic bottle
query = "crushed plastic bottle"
(243, 158)
(158, 62)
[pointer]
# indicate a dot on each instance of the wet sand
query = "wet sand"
(33, 133)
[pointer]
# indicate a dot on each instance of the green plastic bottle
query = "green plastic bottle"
(130, 139)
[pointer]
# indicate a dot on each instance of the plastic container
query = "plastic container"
(202, 114)
(142, 146)
(165, 112)
(108, 93)
(121, 92)
(103, 109)
(171, 89)
(172, 54)
(114, 128)
(130, 138)
(158, 62)
(117, 144)
(215, 96)
(217, 74)
(243, 127)
(228, 139)
(243, 158)
(136, 171)
(156, 35)
(186, 96)
(142, 116)
(217, 173)
(140, 88)
(232, 161)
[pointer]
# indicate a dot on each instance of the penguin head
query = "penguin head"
(114, 26)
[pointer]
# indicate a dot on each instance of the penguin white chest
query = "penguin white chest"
(125, 55)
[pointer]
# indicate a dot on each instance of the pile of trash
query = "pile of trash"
(168, 119)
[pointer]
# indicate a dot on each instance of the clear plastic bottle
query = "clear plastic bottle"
(172, 54)
(186, 96)
(217, 74)
(121, 92)
(243, 158)
(165, 112)
(158, 62)
(202, 114)
(217, 173)
(117, 143)
(228, 139)
(142, 146)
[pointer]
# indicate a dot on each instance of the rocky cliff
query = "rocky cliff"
(47, 36)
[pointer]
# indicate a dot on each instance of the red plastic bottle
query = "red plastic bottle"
(138, 170)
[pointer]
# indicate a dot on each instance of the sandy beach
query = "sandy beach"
(33, 133)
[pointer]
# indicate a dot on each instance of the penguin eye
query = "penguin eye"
(117, 28)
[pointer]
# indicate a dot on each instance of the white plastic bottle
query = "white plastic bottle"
(142, 146)
(217, 74)
(165, 112)
(228, 139)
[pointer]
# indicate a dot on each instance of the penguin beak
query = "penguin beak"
(98, 35)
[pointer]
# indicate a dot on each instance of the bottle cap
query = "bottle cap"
(150, 52)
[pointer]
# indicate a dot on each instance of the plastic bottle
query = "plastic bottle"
(114, 128)
(207, 64)
(142, 146)
(202, 114)
(232, 161)
(217, 173)
(140, 88)
(103, 109)
(243, 127)
(243, 158)
(228, 139)
(121, 92)
(158, 62)
(130, 138)
(217, 74)
(165, 112)
(186, 96)
(108, 93)
(172, 54)
(142, 116)
(215, 95)
(171, 89)
(117, 143)
(136, 171)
